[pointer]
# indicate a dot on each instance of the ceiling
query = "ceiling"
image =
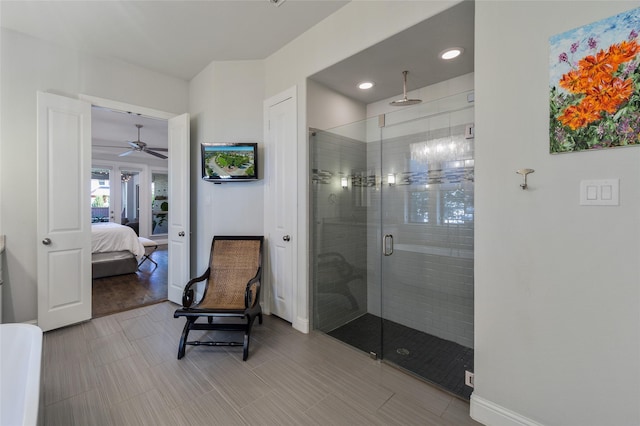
(415, 49)
(154, 33)
(177, 38)
(112, 130)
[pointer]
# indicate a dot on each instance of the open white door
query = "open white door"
(179, 235)
(280, 211)
(63, 211)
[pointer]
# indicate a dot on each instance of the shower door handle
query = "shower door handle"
(387, 245)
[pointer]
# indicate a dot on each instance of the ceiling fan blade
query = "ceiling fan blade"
(126, 153)
(106, 146)
(156, 154)
(133, 144)
(157, 149)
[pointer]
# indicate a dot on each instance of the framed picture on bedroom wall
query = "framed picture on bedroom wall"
(594, 98)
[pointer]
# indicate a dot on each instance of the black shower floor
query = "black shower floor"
(439, 361)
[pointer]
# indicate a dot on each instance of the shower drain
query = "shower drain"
(403, 351)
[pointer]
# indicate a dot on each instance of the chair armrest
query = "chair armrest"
(249, 299)
(188, 293)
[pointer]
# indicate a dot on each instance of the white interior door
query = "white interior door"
(63, 211)
(178, 230)
(280, 210)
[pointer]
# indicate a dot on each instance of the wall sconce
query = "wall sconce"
(344, 182)
(391, 178)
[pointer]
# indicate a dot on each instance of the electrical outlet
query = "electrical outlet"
(468, 378)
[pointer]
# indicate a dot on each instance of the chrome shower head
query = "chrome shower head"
(404, 101)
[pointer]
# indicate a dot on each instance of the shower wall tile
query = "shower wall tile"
(428, 282)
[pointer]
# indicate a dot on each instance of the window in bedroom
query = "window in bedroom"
(100, 194)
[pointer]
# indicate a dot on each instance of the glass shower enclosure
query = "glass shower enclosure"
(392, 238)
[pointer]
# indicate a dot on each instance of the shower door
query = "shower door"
(392, 238)
(426, 254)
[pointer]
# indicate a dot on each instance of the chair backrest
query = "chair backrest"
(233, 262)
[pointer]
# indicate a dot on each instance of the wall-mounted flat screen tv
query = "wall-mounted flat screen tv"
(229, 162)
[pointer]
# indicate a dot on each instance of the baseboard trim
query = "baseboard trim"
(301, 325)
(488, 413)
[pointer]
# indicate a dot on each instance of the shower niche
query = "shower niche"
(392, 238)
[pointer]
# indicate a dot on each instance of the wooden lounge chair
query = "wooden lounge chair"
(230, 301)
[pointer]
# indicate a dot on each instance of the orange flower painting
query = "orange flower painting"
(595, 91)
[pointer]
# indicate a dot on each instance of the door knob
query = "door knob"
(46, 241)
(286, 238)
(181, 234)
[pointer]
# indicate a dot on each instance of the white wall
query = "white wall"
(225, 103)
(327, 109)
(30, 65)
(557, 323)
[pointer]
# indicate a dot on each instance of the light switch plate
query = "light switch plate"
(600, 192)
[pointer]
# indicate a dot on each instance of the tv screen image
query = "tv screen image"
(229, 161)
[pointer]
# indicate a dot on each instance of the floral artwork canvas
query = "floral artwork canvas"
(595, 85)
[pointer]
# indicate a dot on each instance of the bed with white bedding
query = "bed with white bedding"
(115, 250)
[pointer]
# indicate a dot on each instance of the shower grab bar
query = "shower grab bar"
(385, 245)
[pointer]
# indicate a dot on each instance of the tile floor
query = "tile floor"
(122, 369)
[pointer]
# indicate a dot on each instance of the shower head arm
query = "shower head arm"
(405, 101)
(404, 84)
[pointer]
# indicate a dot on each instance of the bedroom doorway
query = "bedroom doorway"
(130, 188)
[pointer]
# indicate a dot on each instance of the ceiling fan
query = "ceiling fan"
(139, 146)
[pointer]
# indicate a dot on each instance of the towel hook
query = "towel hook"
(524, 173)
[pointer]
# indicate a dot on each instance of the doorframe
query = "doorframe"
(122, 106)
(135, 109)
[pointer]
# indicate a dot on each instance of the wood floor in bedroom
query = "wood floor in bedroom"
(123, 292)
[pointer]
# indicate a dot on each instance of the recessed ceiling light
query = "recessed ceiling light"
(365, 85)
(451, 53)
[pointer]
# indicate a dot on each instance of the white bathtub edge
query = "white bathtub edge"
(29, 413)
